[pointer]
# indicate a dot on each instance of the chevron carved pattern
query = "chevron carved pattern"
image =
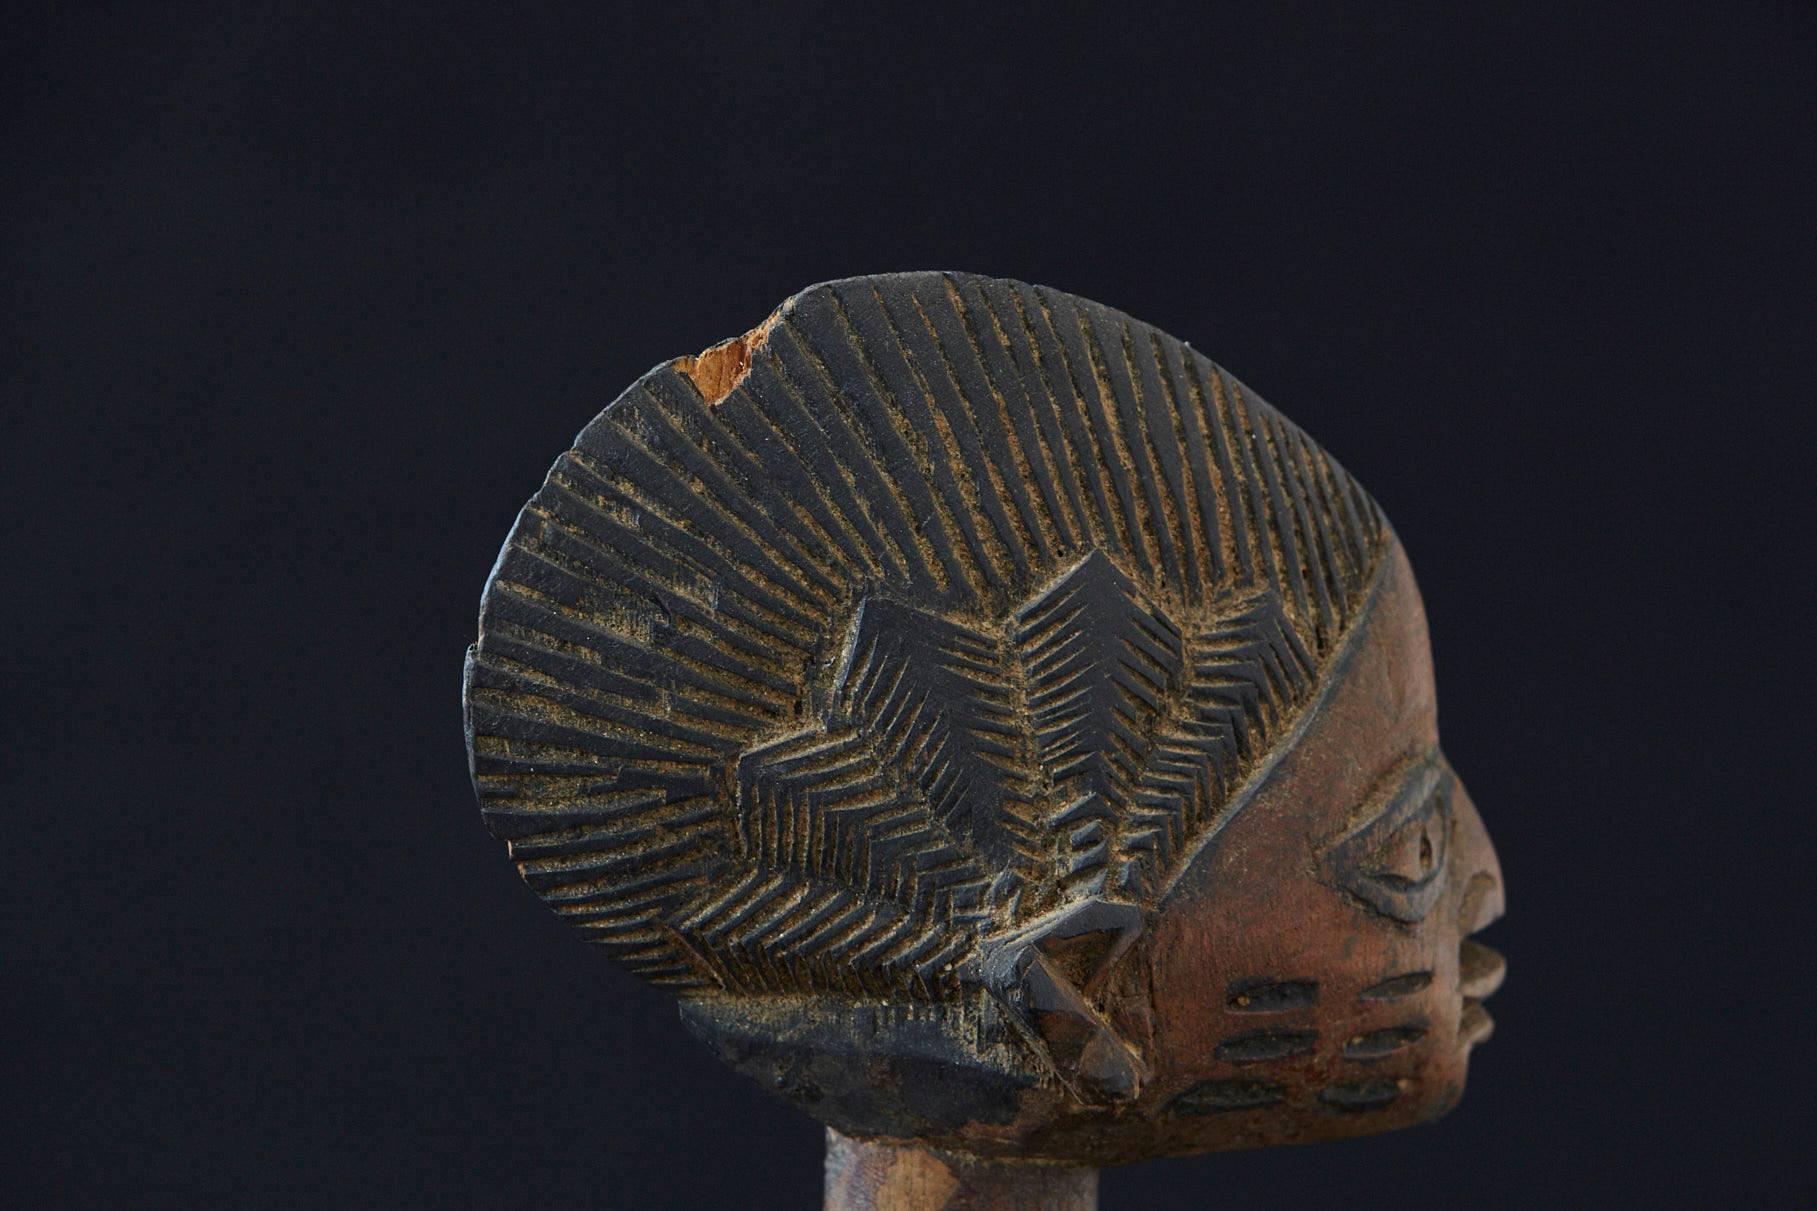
(934, 604)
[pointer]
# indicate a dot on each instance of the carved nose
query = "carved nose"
(1474, 858)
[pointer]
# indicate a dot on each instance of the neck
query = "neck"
(865, 1176)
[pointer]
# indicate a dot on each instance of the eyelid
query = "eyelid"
(1424, 789)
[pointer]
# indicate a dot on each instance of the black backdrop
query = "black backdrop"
(305, 300)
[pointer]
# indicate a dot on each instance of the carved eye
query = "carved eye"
(1394, 860)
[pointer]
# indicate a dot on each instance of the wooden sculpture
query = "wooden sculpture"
(1011, 739)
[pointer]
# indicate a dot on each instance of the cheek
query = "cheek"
(1332, 966)
(1288, 989)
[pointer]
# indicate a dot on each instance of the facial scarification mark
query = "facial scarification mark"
(1272, 996)
(1359, 1096)
(1395, 987)
(835, 654)
(1257, 1045)
(1379, 1044)
(1218, 1096)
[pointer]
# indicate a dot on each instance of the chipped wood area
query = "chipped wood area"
(717, 371)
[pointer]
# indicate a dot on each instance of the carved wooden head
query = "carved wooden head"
(1000, 728)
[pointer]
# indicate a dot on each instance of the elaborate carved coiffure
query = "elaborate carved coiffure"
(911, 651)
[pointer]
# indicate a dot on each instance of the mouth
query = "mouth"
(1480, 971)
(1480, 968)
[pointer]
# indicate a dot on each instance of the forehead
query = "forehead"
(1377, 710)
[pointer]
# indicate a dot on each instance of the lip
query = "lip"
(1480, 971)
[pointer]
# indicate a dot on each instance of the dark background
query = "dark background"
(304, 301)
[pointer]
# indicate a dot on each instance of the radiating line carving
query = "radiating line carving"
(965, 601)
